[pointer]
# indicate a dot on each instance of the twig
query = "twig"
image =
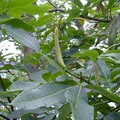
(56, 9)
(84, 80)
(92, 18)
(52, 4)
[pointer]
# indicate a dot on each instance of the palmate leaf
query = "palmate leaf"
(78, 101)
(46, 95)
(22, 37)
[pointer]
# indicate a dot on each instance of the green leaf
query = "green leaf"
(44, 20)
(112, 116)
(111, 3)
(6, 67)
(37, 76)
(78, 3)
(18, 11)
(112, 55)
(14, 3)
(54, 63)
(64, 111)
(4, 5)
(112, 34)
(46, 95)
(93, 54)
(20, 112)
(73, 13)
(6, 83)
(112, 29)
(106, 93)
(6, 94)
(21, 85)
(114, 74)
(47, 76)
(18, 8)
(112, 60)
(103, 69)
(17, 23)
(31, 9)
(22, 36)
(78, 101)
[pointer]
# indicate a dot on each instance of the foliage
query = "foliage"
(35, 86)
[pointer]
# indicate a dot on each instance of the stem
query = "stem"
(92, 18)
(103, 102)
(81, 78)
(52, 4)
(57, 10)
(85, 17)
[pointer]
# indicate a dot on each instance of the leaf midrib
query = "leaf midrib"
(77, 100)
(44, 97)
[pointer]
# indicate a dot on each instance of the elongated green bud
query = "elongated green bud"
(58, 50)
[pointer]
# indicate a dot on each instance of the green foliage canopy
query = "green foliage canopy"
(34, 86)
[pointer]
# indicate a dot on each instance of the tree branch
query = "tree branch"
(94, 19)
(80, 78)
(56, 9)
(52, 4)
